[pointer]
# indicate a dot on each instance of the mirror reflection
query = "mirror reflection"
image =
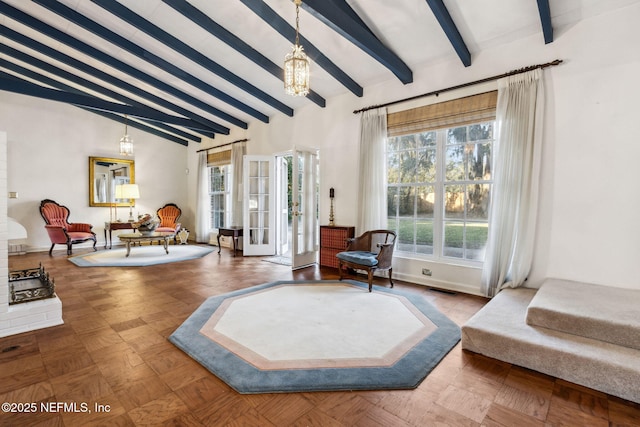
(104, 174)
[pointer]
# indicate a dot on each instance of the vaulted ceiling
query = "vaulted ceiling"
(184, 69)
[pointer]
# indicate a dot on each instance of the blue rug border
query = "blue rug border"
(247, 379)
(79, 261)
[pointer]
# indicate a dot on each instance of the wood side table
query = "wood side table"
(333, 239)
(233, 232)
(108, 226)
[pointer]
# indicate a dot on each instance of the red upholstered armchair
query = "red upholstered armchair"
(60, 230)
(169, 215)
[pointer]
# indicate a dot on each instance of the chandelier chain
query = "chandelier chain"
(297, 22)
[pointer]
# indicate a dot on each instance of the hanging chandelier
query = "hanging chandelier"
(126, 142)
(296, 65)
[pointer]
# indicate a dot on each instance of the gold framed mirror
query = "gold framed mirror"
(104, 174)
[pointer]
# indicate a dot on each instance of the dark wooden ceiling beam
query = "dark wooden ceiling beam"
(149, 57)
(545, 20)
(449, 27)
(13, 84)
(58, 72)
(206, 23)
(357, 33)
(111, 116)
(187, 51)
(97, 54)
(202, 122)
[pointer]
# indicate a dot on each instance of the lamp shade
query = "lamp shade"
(127, 191)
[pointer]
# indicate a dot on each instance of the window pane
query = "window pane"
(455, 163)
(393, 168)
(478, 201)
(426, 166)
(454, 201)
(457, 135)
(408, 166)
(406, 202)
(407, 142)
(460, 187)
(476, 240)
(406, 233)
(479, 158)
(426, 139)
(425, 201)
(392, 201)
(481, 132)
(218, 193)
(392, 143)
(453, 239)
(424, 237)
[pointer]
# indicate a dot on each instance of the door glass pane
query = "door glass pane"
(258, 202)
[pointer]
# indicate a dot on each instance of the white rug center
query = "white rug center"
(330, 322)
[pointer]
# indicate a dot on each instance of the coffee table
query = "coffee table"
(138, 238)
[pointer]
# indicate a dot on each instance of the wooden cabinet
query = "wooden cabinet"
(333, 240)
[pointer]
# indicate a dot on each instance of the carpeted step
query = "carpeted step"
(600, 312)
(499, 331)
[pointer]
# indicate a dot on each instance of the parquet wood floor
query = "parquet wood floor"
(112, 351)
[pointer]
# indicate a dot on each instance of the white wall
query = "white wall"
(49, 145)
(588, 213)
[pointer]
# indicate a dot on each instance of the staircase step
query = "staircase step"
(599, 312)
(499, 331)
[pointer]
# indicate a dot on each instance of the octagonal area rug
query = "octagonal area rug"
(296, 336)
(140, 256)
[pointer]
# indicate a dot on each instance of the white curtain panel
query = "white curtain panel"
(202, 200)
(372, 206)
(238, 151)
(514, 205)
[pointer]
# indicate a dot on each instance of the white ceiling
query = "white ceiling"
(407, 27)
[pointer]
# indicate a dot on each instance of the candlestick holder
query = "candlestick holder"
(331, 215)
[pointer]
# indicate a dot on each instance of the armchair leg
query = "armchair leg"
(340, 272)
(51, 249)
(390, 281)
(69, 249)
(94, 246)
(370, 274)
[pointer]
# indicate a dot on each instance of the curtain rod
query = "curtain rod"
(222, 145)
(460, 86)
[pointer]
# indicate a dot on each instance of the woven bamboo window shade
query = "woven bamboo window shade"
(457, 112)
(221, 158)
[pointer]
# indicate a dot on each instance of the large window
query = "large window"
(439, 186)
(219, 195)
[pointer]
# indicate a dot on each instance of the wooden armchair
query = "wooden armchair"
(371, 251)
(60, 230)
(169, 215)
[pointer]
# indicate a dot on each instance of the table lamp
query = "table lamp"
(128, 191)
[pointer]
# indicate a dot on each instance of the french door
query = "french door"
(304, 209)
(258, 205)
(282, 205)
